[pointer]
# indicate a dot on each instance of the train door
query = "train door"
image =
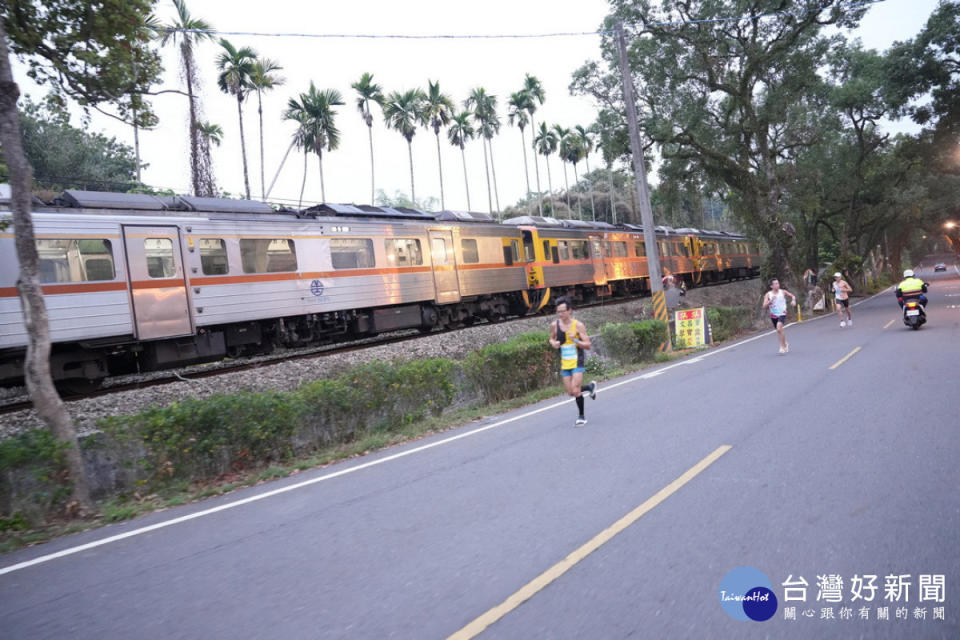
(157, 282)
(444, 267)
(596, 253)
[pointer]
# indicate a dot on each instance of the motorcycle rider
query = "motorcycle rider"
(911, 287)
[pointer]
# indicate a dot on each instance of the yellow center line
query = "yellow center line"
(540, 582)
(845, 358)
(889, 323)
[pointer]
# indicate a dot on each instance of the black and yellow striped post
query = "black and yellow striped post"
(660, 313)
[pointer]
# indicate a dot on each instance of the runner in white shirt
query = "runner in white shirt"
(841, 291)
(775, 300)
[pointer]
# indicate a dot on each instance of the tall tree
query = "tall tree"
(586, 144)
(546, 144)
(437, 109)
(189, 32)
(563, 148)
(235, 66)
(302, 136)
(263, 77)
(571, 150)
(458, 133)
(483, 107)
(321, 121)
(518, 116)
(56, 41)
(368, 92)
(404, 113)
(725, 92)
(212, 133)
(534, 89)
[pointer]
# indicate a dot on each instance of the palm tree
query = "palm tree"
(562, 134)
(368, 91)
(483, 107)
(535, 90)
(571, 150)
(235, 66)
(404, 112)
(263, 78)
(437, 109)
(302, 137)
(546, 144)
(210, 132)
(586, 144)
(190, 32)
(323, 130)
(459, 132)
(517, 115)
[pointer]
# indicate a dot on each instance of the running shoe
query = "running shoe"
(593, 389)
(849, 323)
(843, 323)
(580, 422)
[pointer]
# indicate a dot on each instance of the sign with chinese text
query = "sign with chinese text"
(691, 327)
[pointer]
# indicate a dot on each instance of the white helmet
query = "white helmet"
(908, 273)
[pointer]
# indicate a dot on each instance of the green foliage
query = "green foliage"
(727, 322)
(633, 342)
(32, 478)
(512, 368)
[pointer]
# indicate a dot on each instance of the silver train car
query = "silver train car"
(135, 282)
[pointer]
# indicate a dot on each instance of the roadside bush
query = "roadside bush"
(727, 322)
(33, 478)
(633, 342)
(509, 369)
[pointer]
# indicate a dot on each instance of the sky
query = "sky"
(498, 65)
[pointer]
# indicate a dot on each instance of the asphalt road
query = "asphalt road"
(807, 468)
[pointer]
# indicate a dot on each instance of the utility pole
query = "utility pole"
(643, 190)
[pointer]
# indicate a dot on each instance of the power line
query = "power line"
(506, 36)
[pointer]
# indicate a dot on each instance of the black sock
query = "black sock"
(585, 389)
(580, 405)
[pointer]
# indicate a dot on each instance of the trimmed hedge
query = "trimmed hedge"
(633, 342)
(509, 369)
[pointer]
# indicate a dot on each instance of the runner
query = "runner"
(570, 337)
(841, 289)
(778, 310)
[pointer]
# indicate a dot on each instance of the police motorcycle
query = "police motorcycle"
(913, 302)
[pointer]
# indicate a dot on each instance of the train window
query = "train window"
(468, 247)
(619, 249)
(268, 255)
(213, 256)
(73, 260)
(515, 249)
(403, 252)
(564, 250)
(640, 249)
(578, 249)
(684, 249)
(159, 255)
(607, 250)
(352, 253)
(439, 250)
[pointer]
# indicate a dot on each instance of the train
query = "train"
(137, 282)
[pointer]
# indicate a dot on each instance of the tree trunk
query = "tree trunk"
(323, 190)
(526, 168)
(486, 169)
(443, 204)
(576, 183)
(566, 184)
(493, 172)
(187, 56)
(263, 182)
(136, 144)
(413, 194)
(546, 161)
(613, 195)
(466, 182)
(243, 147)
(593, 205)
(372, 183)
(536, 164)
(303, 185)
(36, 369)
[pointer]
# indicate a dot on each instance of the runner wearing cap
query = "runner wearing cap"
(841, 291)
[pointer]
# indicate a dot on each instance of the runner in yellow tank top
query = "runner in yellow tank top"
(571, 338)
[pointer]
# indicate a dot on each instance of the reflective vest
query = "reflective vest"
(911, 286)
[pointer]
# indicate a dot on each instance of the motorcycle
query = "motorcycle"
(914, 314)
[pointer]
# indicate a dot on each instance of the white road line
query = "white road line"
(365, 465)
